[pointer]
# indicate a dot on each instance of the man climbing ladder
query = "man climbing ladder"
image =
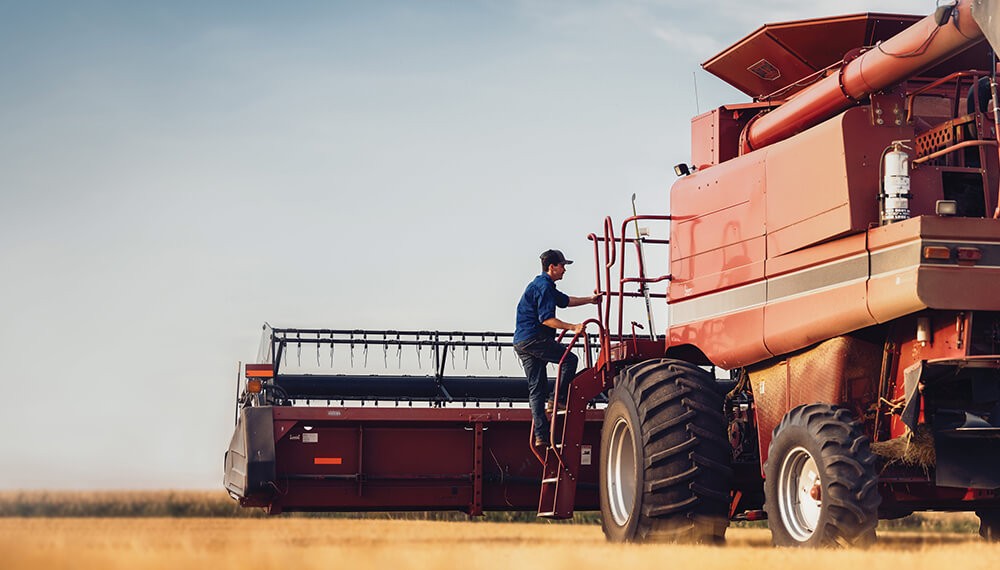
(535, 332)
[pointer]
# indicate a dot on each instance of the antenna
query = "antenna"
(643, 286)
(697, 105)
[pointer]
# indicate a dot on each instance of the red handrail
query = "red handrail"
(641, 266)
(611, 256)
(555, 392)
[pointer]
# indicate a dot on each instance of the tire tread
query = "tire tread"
(685, 455)
(851, 491)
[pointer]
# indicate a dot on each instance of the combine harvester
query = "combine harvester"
(834, 246)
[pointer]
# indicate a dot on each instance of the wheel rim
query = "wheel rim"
(621, 473)
(799, 494)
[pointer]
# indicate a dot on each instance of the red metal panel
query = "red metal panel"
(830, 313)
(893, 295)
(715, 135)
(477, 481)
(959, 288)
(704, 139)
(926, 186)
(921, 494)
(719, 215)
(823, 183)
(900, 285)
(891, 290)
(799, 48)
(721, 268)
(415, 459)
(728, 341)
(825, 282)
(817, 255)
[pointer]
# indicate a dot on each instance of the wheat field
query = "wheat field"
(300, 543)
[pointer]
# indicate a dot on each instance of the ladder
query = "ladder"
(562, 459)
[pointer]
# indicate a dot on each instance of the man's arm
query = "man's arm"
(555, 323)
(577, 301)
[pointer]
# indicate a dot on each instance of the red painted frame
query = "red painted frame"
(413, 459)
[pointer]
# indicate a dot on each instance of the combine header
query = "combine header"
(834, 245)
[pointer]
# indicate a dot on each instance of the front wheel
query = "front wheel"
(820, 482)
(665, 471)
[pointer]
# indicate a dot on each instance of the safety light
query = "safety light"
(969, 254)
(681, 169)
(937, 252)
(946, 207)
(254, 386)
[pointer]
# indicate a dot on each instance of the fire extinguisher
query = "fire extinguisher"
(895, 195)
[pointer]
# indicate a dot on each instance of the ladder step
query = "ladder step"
(550, 480)
(548, 514)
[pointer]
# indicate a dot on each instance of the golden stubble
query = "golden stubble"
(298, 544)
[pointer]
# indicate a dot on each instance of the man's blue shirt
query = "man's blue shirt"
(538, 304)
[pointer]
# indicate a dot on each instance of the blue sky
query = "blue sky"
(174, 174)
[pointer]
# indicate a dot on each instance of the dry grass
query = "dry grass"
(184, 504)
(302, 544)
(121, 504)
(913, 448)
(212, 504)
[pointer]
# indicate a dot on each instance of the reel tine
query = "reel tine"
(486, 352)
(331, 350)
(466, 347)
(419, 365)
(452, 351)
(317, 352)
(352, 349)
(364, 339)
(385, 350)
(496, 340)
(298, 349)
(399, 351)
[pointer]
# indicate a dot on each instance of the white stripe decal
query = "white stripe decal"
(828, 276)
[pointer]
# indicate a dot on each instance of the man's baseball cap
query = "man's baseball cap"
(553, 257)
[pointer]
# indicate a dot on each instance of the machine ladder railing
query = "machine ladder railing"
(614, 257)
(563, 456)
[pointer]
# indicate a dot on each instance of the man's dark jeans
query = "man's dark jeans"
(534, 355)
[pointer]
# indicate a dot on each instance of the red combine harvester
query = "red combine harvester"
(835, 247)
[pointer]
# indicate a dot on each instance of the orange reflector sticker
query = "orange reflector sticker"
(259, 371)
(327, 460)
(937, 252)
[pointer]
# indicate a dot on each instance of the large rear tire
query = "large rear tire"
(665, 456)
(820, 482)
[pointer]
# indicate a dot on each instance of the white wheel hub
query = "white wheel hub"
(800, 499)
(621, 473)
